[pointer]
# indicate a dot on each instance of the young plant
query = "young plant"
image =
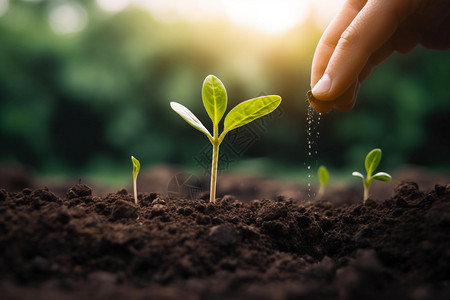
(372, 161)
(322, 173)
(136, 167)
(214, 98)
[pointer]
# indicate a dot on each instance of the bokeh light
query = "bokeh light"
(67, 17)
(4, 4)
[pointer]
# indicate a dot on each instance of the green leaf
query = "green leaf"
(250, 110)
(382, 176)
(357, 174)
(372, 161)
(214, 98)
(323, 175)
(136, 166)
(189, 117)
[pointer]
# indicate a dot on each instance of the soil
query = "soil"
(83, 246)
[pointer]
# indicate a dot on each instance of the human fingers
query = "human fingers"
(403, 40)
(347, 100)
(344, 103)
(330, 37)
(371, 28)
(375, 59)
(321, 106)
(434, 23)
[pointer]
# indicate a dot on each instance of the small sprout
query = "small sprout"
(214, 98)
(372, 161)
(322, 173)
(136, 167)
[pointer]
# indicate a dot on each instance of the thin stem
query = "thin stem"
(135, 191)
(215, 157)
(321, 192)
(366, 184)
(215, 160)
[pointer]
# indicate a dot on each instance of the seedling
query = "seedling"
(214, 98)
(372, 161)
(322, 173)
(136, 167)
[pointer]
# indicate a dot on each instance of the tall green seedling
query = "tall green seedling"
(371, 163)
(323, 175)
(136, 168)
(215, 100)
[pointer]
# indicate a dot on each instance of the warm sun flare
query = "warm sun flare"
(269, 16)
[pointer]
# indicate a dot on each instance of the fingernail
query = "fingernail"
(322, 86)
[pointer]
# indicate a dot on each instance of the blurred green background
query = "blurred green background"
(85, 84)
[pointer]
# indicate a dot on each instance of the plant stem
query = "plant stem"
(215, 157)
(135, 191)
(366, 184)
(215, 141)
(321, 192)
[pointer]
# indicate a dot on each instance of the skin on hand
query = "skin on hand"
(362, 35)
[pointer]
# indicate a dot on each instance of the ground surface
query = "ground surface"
(83, 246)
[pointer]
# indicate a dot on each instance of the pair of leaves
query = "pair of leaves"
(215, 101)
(371, 163)
(136, 167)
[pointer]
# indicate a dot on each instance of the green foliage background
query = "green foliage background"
(85, 102)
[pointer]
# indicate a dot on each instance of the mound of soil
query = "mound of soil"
(84, 246)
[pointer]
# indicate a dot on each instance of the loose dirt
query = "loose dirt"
(82, 246)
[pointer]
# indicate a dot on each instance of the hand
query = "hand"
(362, 35)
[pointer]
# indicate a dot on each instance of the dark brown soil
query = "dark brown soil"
(86, 247)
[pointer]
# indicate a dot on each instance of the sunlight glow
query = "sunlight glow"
(268, 16)
(325, 10)
(112, 5)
